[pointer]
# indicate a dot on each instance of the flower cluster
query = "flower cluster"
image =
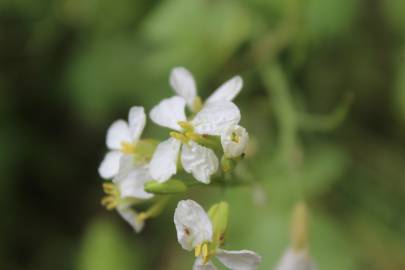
(205, 143)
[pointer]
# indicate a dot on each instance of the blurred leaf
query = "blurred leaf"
(330, 248)
(314, 175)
(26, 8)
(323, 165)
(394, 15)
(101, 15)
(266, 231)
(382, 245)
(271, 11)
(108, 74)
(399, 96)
(330, 19)
(105, 247)
(198, 34)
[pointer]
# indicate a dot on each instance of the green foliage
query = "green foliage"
(399, 96)
(105, 247)
(330, 19)
(395, 16)
(202, 39)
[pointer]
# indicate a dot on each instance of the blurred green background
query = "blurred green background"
(323, 100)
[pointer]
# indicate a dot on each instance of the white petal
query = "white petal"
(234, 141)
(130, 216)
(192, 224)
(118, 133)
(169, 112)
(227, 91)
(295, 260)
(215, 118)
(199, 265)
(239, 260)
(131, 179)
(164, 160)
(110, 164)
(183, 83)
(136, 121)
(199, 160)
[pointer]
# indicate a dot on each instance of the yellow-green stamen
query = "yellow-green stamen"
(127, 148)
(205, 254)
(179, 136)
(110, 201)
(187, 126)
(235, 138)
(197, 250)
(197, 105)
(154, 210)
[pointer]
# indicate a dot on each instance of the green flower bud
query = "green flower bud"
(218, 214)
(227, 164)
(299, 226)
(168, 187)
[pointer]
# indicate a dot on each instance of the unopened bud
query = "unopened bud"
(234, 141)
(299, 226)
(168, 187)
(218, 214)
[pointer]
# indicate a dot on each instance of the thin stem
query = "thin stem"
(281, 101)
(326, 122)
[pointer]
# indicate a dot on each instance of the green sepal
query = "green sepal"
(228, 164)
(168, 187)
(218, 214)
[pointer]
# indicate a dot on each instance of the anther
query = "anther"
(127, 148)
(178, 136)
(197, 251)
(185, 125)
(142, 216)
(108, 188)
(192, 136)
(235, 137)
(109, 202)
(205, 253)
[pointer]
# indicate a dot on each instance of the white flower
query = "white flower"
(216, 116)
(131, 179)
(213, 119)
(195, 231)
(234, 141)
(131, 216)
(192, 224)
(184, 85)
(122, 138)
(126, 189)
(295, 260)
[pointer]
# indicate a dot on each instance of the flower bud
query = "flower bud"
(168, 187)
(218, 214)
(234, 141)
(299, 227)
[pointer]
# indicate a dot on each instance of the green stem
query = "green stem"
(326, 122)
(281, 101)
